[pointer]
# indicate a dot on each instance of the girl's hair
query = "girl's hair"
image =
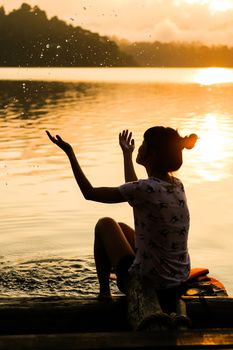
(168, 145)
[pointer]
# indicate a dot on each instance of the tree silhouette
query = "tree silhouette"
(29, 38)
(177, 54)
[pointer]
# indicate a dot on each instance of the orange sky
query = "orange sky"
(208, 21)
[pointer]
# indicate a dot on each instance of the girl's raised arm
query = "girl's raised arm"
(97, 194)
(127, 145)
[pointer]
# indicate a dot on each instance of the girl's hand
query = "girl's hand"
(65, 146)
(126, 142)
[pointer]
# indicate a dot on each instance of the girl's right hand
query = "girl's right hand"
(65, 146)
(126, 142)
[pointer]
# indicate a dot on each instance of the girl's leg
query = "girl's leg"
(129, 234)
(110, 246)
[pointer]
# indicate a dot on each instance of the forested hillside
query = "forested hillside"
(174, 54)
(28, 38)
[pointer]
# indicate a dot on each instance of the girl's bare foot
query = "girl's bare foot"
(104, 297)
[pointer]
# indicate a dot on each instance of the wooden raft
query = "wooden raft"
(123, 323)
(81, 324)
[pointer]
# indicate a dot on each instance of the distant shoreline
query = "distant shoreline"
(144, 75)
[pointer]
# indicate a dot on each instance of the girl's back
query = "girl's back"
(161, 230)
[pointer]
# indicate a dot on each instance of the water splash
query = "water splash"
(50, 277)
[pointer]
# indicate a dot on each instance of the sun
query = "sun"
(214, 5)
(212, 75)
(220, 6)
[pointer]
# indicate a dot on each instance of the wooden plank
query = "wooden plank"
(61, 315)
(210, 311)
(198, 339)
(67, 315)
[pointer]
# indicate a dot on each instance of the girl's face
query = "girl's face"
(142, 153)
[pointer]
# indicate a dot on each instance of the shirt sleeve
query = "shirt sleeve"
(136, 192)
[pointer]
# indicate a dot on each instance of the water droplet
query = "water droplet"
(48, 46)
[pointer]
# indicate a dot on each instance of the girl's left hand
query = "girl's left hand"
(126, 142)
(65, 146)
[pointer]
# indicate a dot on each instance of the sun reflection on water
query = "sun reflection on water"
(210, 76)
(212, 149)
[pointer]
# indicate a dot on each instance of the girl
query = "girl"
(157, 248)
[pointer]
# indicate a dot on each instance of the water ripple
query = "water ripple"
(60, 277)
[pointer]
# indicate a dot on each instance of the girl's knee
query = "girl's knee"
(103, 224)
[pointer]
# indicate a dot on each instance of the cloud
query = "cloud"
(145, 20)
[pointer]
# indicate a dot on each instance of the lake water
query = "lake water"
(46, 230)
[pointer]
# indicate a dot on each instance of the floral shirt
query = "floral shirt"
(161, 220)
